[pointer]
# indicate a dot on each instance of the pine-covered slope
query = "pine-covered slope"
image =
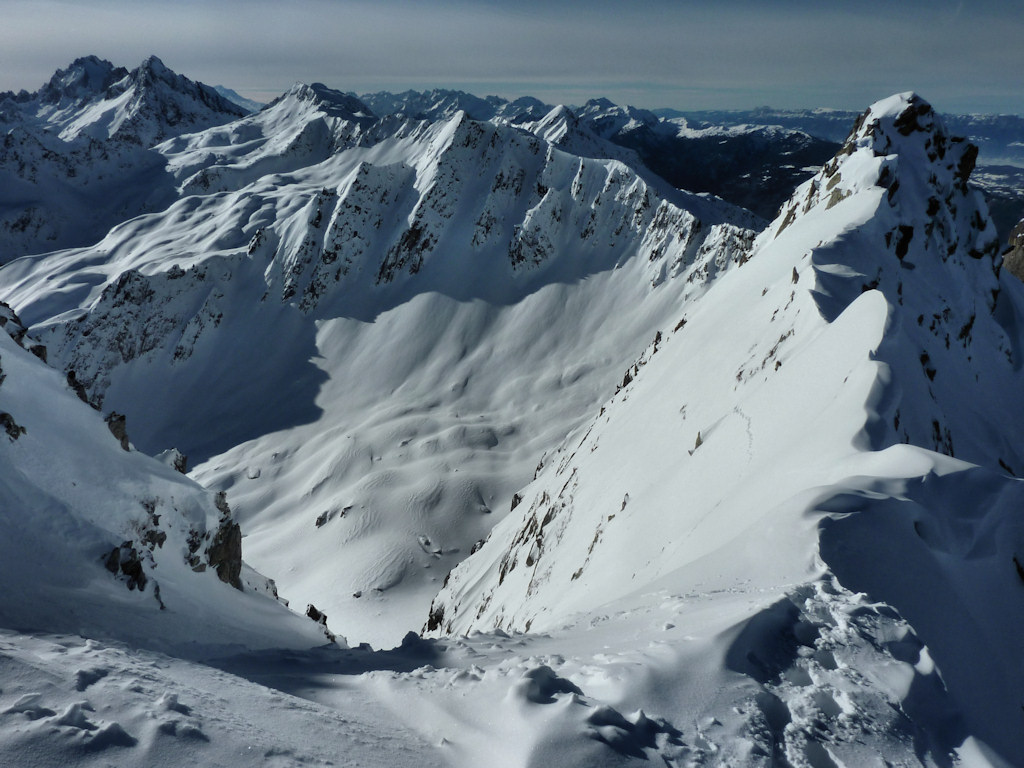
(800, 425)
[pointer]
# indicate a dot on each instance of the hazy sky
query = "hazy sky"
(961, 56)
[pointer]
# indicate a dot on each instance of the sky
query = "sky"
(730, 54)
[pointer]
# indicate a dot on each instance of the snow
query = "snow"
(774, 519)
(571, 259)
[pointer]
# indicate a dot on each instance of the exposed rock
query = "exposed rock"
(320, 618)
(316, 615)
(117, 423)
(18, 331)
(79, 389)
(225, 551)
(126, 561)
(172, 457)
(195, 541)
(11, 323)
(1013, 258)
(12, 428)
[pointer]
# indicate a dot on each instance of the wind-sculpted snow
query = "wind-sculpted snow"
(802, 419)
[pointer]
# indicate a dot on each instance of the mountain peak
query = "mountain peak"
(900, 145)
(906, 124)
(333, 102)
(152, 70)
(85, 77)
(153, 64)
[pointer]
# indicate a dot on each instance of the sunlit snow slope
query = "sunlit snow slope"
(109, 543)
(843, 404)
(367, 332)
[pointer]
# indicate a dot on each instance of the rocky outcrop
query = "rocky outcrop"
(117, 424)
(125, 561)
(225, 551)
(10, 426)
(174, 458)
(1013, 258)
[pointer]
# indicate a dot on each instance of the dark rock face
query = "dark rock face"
(320, 618)
(1013, 258)
(316, 615)
(10, 426)
(117, 424)
(225, 551)
(126, 561)
(78, 388)
(175, 459)
(181, 463)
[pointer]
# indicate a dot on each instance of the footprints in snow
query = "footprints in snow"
(836, 673)
(74, 723)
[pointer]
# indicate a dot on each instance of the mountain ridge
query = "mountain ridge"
(775, 515)
(713, 458)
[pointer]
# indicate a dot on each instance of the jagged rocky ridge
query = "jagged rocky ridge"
(103, 142)
(800, 424)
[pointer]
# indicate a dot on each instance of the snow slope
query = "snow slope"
(366, 332)
(801, 426)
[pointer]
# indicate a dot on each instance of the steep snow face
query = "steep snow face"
(933, 253)
(101, 540)
(803, 417)
(370, 352)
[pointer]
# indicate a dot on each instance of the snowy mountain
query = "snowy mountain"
(455, 296)
(798, 430)
(77, 154)
(754, 166)
(439, 104)
(94, 99)
(235, 97)
(704, 496)
(998, 138)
